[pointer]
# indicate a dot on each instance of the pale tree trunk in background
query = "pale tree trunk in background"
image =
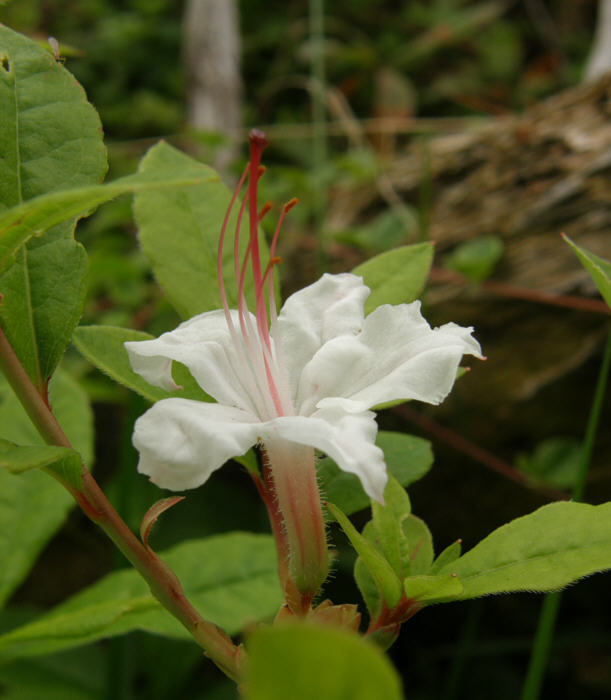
(599, 60)
(212, 48)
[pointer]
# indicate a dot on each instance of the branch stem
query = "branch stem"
(163, 583)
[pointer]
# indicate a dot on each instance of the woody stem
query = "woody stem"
(163, 583)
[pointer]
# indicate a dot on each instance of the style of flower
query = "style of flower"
(306, 377)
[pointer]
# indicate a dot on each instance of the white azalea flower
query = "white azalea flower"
(327, 366)
(305, 378)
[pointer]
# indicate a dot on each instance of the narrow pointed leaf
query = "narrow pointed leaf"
(64, 462)
(380, 570)
(598, 268)
(420, 545)
(447, 556)
(396, 276)
(387, 525)
(544, 551)
(231, 579)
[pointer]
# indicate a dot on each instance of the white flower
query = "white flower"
(311, 379)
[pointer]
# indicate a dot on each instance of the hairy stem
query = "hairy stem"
(163, 583)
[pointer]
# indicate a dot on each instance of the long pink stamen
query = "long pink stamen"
(219, 258)
(255, 347)
(258, 142)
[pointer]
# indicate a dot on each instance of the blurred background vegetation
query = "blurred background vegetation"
(347, 102)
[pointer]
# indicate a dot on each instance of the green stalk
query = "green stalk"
(549, 610)
(163, 583)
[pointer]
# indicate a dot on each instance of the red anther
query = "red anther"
(261, 171)
(276, 260)
(265, 209)
(257, 137)
(290, 204)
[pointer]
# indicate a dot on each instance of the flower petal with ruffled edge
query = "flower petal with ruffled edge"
(397, 355)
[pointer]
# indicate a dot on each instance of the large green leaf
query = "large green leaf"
(305, 662)
(43, 294)
(51, 137)
(32, 218)
(231, 579)
(544, 551)
(408, 459)
(396, 276)
(103, 347)
(598, 268)
(179, 232)
(33, 505)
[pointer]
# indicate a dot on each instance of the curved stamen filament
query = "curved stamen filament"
(265, 375)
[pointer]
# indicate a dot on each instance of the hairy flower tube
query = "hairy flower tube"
(302, 379)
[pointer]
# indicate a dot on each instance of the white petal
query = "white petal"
(330, 307)
(204, 345)
(349, 439)
(181, 442)
(397, 356)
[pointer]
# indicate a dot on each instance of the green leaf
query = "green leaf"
(43, 294)
(368, 587)
(231, 579)
(51, 137)
(420, 545)
(476, 259)
(432, 589)
(305, 662)
(408, 459)
(387, 524)
(64, 462)
(544, 551)
(382, 572)
(598, 268)
(103, 347)
(396, 276)
(179, 231)
(33, 506)
(34, 217)
(450, 554)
